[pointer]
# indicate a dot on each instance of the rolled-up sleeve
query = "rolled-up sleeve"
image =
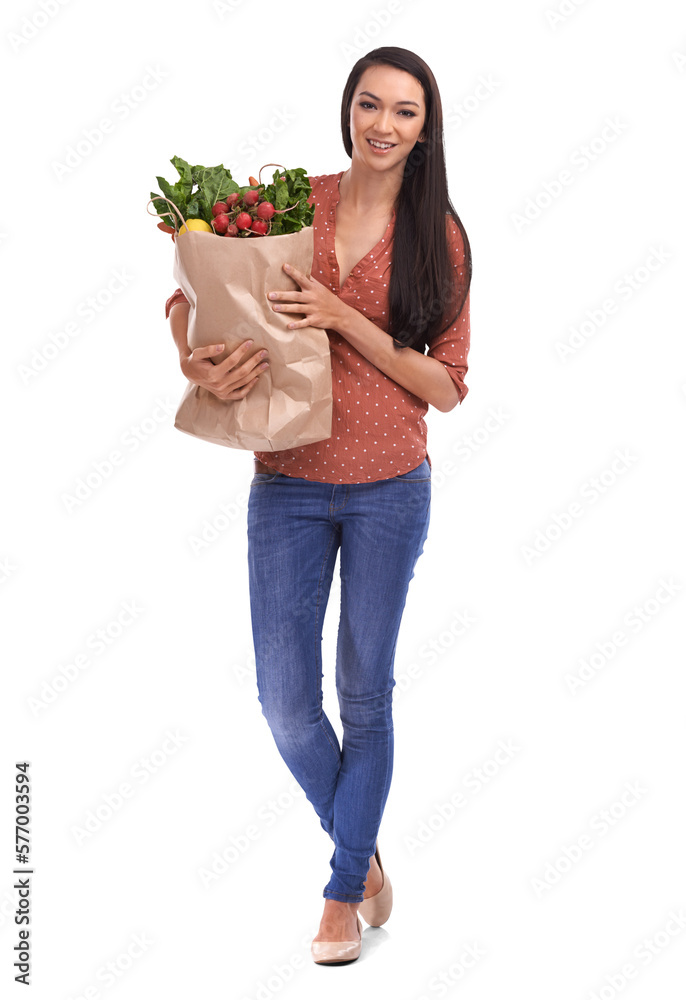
(451, 346)
(177, 296)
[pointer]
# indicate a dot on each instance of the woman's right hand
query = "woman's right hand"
(232, 378)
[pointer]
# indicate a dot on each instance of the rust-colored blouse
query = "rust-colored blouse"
(378, 427)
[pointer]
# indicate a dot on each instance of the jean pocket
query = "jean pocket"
(265, 477)
(421, 474)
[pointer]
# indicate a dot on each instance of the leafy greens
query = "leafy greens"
(199, 188)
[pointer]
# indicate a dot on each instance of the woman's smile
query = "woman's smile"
(380, 147)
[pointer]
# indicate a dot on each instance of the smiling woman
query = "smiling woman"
(390, 277)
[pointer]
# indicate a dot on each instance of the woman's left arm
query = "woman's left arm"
(421, 375)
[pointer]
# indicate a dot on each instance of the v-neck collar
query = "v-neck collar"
(366, 262)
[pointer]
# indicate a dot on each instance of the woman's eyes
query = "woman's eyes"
(404, 111)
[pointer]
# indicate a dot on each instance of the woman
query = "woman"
(390, 276)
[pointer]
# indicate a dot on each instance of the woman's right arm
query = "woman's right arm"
(232, 378)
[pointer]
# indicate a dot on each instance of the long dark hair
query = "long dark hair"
(423, 294)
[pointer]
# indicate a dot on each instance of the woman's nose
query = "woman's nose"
(384, 121)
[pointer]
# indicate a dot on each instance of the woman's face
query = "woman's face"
(388, 106)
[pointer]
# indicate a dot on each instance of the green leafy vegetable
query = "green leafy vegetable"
(294, 191)
(199, 188)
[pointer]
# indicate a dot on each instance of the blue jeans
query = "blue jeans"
(295, 528)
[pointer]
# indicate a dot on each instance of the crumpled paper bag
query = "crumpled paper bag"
(226, 281)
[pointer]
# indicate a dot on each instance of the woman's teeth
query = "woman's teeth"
(380, 145)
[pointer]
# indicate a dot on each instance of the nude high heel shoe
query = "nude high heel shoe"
(376, 909)
(333, 952)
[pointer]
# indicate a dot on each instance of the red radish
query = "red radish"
(231, 230)
(221, 208)
(260, 226)
(243, 221)
(221, 223)
(265, 210)
(251, 198)
(232, 199)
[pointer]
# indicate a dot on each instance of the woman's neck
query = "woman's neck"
(369, 191)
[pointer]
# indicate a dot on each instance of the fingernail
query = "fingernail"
(287, 266)
(272, 295)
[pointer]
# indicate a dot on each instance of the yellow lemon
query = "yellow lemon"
(199, 224)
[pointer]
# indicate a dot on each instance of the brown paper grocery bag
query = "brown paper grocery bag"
(226, 281)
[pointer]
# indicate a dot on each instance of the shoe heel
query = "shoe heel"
(376, 909)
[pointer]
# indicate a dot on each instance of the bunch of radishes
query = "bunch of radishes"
(249, 215)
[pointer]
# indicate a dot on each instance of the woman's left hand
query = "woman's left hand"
(321, 307)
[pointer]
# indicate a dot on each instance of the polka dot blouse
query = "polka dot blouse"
(378, 427)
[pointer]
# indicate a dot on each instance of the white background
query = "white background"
(500, 874)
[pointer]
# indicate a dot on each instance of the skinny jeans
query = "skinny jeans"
(296, 528)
